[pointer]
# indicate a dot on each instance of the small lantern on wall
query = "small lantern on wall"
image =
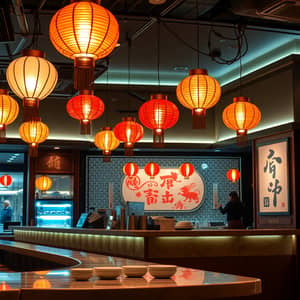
(130, 169)
(233, 175)
(43, 183)
(6, 180)
(186, 170)
(152, 169)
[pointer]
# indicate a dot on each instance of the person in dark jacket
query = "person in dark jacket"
(234, 211)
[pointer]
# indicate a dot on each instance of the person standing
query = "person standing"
(6, 212)
(234, 211)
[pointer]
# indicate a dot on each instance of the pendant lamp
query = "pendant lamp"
(186, 170)
(158, 114)
(33, 133)
(130, 169)
(233, 175)
(198, 92)
(85, 32)
(6, 180)
(129, 132)
(43, 183)
(32, 78)
(241, 115)
(152, 169)
(9, 110)
(85, 107)
(106, 141)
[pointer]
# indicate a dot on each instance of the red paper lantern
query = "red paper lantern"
(186, 170)
(152, 169)
(233, 175)
(4, 286)
(6, 180)
(129, 132)
(130, 169)
(158, 114)
(85, 107)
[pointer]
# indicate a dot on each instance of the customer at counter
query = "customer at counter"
(234, 211)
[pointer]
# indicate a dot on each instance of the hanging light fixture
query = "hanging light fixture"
(43, 183)
(186, 170)
(233, 175)
(106, 141)
(158, 114)
(241, 115)
(32, 78)
(4, 286)
(6, 180)
(9, 110)
(85, 107)
(130, 169)
(152, 169)
(129, 132)
(33, 133)
(84, 31)
(198, 92)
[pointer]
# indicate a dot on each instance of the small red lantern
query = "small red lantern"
(130, 169)
(85, 107)
(233, 175)
(129, 132)
(158, 114)
(152, 169)
(186, 170)
(6, 180)
(4, 286)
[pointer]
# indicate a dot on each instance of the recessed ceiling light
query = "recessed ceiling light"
(157, 2)
(181, 68)
(56, 148)
(117, 45)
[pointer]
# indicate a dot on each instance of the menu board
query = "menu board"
(168, 191)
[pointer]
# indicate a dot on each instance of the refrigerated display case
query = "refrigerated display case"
(54, 213)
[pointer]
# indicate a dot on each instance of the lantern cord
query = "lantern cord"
(36, 30)
(107, 92)
(158, 54)
(129, 68)
(198, 31)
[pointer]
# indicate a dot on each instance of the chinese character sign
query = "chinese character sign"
(273, 181)
(169, 190)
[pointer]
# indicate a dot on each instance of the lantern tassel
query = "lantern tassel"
(158, 138)
(199, 118)
(84, 73)
(30, 110)
(241, 138)
(33, 150)
(85, 127)
(2, 133)
(128, 150)
(106, 156)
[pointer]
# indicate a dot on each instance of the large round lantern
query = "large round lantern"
(186, 170)
(43, 183)
(151, 169)
(130, 169)
(198, 92)
(233, 175)
(33, 133)
(158, 114)
(129, 132)
(9, 110)
(106, 141)
(241, 116)
(85, 107)
(6, 180)
(84, 31)
(32, 78)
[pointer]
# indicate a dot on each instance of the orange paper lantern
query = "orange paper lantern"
(130, 169)
(198, 92)
(84, 31)
(186, 170)
(9, 110)
(106, 141)
(41, 284)
(129, 132)
(6, 180)
(233, 175)
(85, 107)
(33, 133)
(43, 183)
(241, 116)
(158, 114)
(152, 169)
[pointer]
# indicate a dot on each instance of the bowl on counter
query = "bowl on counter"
(184, 225)
(107, 272)
(81, 273)
(135, 270)
(162, 271)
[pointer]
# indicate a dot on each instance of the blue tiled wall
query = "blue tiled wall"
(100, 174)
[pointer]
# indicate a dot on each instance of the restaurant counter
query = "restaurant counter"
(57, 284)
(269, 254)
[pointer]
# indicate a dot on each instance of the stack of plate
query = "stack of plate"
(184, 225)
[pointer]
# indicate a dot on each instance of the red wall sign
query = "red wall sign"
(168, 191)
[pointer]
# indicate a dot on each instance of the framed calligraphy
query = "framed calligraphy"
(273, 177)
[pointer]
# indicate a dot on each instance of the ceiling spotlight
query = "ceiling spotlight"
(157, 2)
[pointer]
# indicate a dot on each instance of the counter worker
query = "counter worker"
(6, 212)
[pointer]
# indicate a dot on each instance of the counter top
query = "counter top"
(187, 283)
